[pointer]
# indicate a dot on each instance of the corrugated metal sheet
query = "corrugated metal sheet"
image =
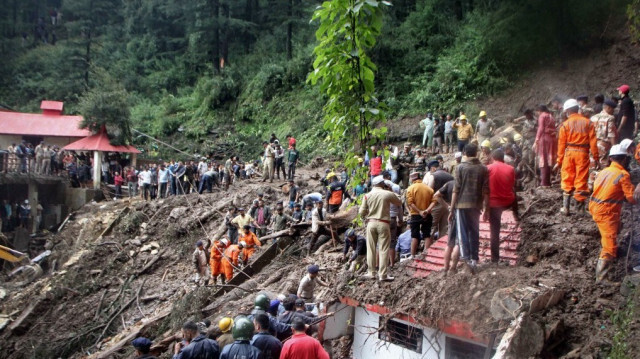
(509, 239)
(35, 124)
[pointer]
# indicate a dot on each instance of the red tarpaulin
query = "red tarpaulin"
(98, 142)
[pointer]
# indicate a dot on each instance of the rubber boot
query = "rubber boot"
(602, 269)
(581, 208)
(566, 203)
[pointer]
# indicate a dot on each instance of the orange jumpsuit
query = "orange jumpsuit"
(611, 188)
(231, 255)
(215, 259)
(252, 241)
(577, 135)
(637, 155)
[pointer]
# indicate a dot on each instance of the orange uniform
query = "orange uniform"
(215, 259)
(231, 255)
(637, 155)
(252, 241)
(611, 188)
(577, 135)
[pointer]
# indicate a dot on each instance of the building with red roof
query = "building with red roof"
(50, 126)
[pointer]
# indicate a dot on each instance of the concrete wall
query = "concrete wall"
(340, 324)
(366, 344)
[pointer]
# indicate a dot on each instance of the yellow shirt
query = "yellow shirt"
(465, 132)
(242, 221)
(420, 195)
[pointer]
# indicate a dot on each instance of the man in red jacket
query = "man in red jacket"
(502, 196)
(302, 346)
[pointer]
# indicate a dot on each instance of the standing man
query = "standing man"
(611, 188)
(396, 216)
(484, 128)
(145, 177)
(465, 131)
(294, 193)
(375, 208)
(268, 160)
(605, 124)
(280, 220)
(241, 348)
(279, 155)
(163, 180)
(405, 160)
(269, 346)
(438, 209)
(230, 259)
(301, 345)
(627, 125)
(438, 135)
(232, 230)
(335, 193)
(470, 196)
(215, 261)
(251, 242)
(391, 160)
(293, 157)
(502, 196)
(444, 196)
(448, 134)
(427, 136)
(200, 260)
(262, 215)
(583, 103)
(243, 219)
(577, 135)
(199, 345)
(292, 141)
(418, 199)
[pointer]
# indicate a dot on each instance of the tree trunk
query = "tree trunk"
(290, 30)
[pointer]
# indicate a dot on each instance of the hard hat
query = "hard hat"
(242, 244)
(517, 137)
(224, 241)
(225, 324)
(617, 150)
(351, 232)
(482, 113)
(463, 117)
(486, 143)
(330, 175)
(242, 328)
(458, 155)
(504, 141)
(262, 302)
(624, 144)
(570, 103)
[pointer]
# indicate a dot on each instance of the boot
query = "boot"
(580, 208)
(566, 202)
(602, 269)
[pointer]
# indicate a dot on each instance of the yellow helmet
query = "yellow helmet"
(330, 175)
(486, 143)
(504, 141)
(463, 117)
(517, 137)
(360, 160)
(225, 324)
(483, 113)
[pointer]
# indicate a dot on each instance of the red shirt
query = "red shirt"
(502, 179)
(302, 346)
(375, 164)
(292, 141)
(118, 180)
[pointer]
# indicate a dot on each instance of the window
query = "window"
(401, 334)
(460, 349)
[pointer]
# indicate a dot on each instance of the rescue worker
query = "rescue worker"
(611, 188)
(336, 191)
(405, 160)
(577, 137)
(276, 328)
(358, 244)
(225, 325)
(215, 259)
(485, 152)
(484, 128)
(200, 260)
(230, 259)
(241, 348)
(605, 124)
(375, 208)
(307, 285)
(319, 225)
(250, 241)
(465, 131)
(585, 110)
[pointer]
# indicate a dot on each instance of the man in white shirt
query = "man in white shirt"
(145, 177)
(391, 160)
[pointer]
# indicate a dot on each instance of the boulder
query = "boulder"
(178, 212)
(523, 339)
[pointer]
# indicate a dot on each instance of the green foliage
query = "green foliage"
(633, 14)
(621, 320)
(106, 105)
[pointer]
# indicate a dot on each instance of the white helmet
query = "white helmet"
(624, 144)
(242, 244)
(224, 241)
(617, 150)
(570, 103)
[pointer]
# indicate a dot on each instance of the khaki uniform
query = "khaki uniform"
(269, 163)
(376, 208)
(605, 131)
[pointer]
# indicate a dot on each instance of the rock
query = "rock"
(148, 247)
(531, 259)
(3, 293)
(508, 302)
(154, 252)
(135, 242)
(83, 221)
(523, 339)
(144, 225)
(178, 212)
(132, 253)
(74, 259)
(629, 283)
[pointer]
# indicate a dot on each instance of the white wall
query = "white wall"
(338, 325)
(366, 344)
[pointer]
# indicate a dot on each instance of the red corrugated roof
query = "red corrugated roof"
(35, 124)
(52, 105)
(509, 239)
(99, 142)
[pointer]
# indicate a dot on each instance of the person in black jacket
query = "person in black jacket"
(359, 246)
(268, 345)
(142, 346)
(199, 346)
